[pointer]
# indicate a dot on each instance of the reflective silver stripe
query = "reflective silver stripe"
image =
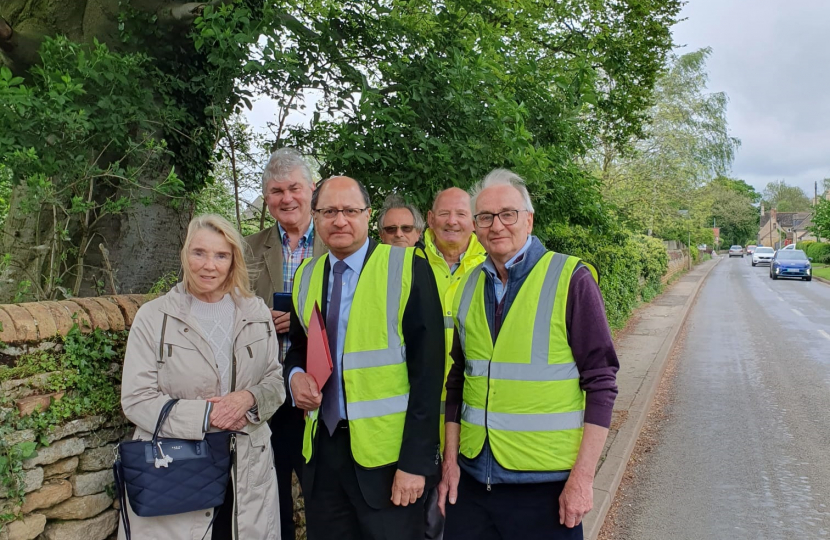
(370, 359)
(533, 372)
(394, 284)
(449, 323)
(305, 285)
(378, 407)
(523, 422)
(464, 304)
(541, 325)
(475, 368)
(521, 372)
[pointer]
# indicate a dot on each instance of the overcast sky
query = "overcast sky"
(772, 58)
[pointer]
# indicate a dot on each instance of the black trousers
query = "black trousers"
(336, 509)
(507, 512)
(223, 521)
(287, 426)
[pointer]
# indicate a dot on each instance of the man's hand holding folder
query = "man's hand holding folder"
(305, 387)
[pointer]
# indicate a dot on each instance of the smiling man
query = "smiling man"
(371, 436)
(274, 255)
(532, 385)
(452, 250)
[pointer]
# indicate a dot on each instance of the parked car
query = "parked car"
(791, 263)
(789, 246)
(736, 251)
(750, 249)
(762, 255)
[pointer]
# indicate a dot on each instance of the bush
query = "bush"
(803, 245)
(630, 266)
(818, 251)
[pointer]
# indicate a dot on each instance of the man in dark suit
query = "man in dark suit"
(274, 254)
(371, 439)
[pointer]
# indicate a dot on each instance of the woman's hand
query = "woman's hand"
(230, 410)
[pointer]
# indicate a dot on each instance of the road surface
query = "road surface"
(745, 450)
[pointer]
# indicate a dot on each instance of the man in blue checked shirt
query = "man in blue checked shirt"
(274, 255)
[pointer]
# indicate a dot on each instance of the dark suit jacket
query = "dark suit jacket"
(423, 333)
(264, 258)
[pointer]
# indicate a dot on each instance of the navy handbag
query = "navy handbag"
(163, 477)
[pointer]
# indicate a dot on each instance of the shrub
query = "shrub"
(819, 252)
(630, 266)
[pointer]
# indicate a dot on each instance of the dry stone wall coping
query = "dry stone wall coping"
(39, 321)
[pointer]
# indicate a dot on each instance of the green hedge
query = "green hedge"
(630, 265)
(818, 251)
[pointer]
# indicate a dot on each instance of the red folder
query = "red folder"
(318, 355)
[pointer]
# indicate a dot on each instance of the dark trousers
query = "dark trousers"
(335, 508)
(287, 427)
(433, 517)
(507, 512)
(223, 520)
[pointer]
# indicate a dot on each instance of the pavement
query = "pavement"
(741, 451)
(643, 349)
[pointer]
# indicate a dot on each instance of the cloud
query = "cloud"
(771, 59)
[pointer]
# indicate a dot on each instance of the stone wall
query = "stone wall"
(68, 484)
(678, 262)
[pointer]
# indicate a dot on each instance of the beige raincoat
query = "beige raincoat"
(179, 363)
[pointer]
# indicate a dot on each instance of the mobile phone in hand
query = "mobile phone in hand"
(282, 301)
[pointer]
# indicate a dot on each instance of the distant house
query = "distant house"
(781, 228)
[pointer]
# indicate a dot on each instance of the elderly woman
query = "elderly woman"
(210, 343)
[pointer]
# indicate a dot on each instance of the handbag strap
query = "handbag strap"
(121, 487)
(165, 412)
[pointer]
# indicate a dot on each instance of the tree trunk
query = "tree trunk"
(144, 242)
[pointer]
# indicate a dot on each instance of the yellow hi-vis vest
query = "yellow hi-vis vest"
(447, 285)
(375, 378)
(523, 392)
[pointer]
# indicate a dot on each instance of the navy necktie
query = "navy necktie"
(333, 387)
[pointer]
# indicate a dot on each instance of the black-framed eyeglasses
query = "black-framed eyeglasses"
(331, 213)
(393, 229)
(508, 217)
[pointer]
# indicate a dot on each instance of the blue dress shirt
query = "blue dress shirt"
(350, 277)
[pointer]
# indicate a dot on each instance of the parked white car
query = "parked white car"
(763, 255)
(789, 246)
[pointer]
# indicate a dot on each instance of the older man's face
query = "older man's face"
(342, 234)
(398, 228)
(502, 241)
(289, 200)
(451, 220)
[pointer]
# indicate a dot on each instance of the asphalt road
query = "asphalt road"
(745, 449)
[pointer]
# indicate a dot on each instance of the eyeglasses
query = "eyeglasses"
(217, 258)
(508, 217)
(392, 229)
(331, 213)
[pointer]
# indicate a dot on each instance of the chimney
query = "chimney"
(774, 216)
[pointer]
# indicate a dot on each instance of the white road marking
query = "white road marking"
(825, 334)
(797, 312)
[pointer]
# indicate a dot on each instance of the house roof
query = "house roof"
(788, 220)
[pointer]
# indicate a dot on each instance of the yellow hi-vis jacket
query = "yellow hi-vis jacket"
(447, 285)
(375, 378)
(523, 391)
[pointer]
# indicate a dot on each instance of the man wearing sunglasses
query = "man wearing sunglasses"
(400, 223)
(532, 384)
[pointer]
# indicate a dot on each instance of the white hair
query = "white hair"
(501, 177)
(282, 163)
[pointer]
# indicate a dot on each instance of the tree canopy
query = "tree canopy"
(786, 198)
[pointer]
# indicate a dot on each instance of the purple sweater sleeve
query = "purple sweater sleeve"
(590, 340)
(592, 347)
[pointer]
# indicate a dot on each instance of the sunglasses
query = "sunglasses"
(392, 229)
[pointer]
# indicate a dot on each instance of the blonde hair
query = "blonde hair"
(237, 282)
